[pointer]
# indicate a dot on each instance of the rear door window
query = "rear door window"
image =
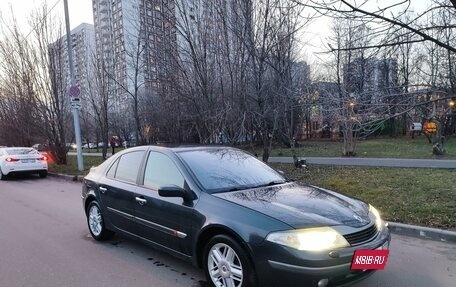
(128, 166)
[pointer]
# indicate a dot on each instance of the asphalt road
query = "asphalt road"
(44, 241)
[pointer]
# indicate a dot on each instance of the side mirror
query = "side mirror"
(282, 173)
(175, 191)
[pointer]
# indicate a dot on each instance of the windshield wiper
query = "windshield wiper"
(272, 183)
(234, 188)
(244, 187)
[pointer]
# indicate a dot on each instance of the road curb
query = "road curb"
(422, 232)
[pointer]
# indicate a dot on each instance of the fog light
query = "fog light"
(323, 282)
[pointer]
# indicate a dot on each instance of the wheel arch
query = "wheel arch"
(212, 231)
(90, 197)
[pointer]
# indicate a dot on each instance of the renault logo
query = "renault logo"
(357, 217)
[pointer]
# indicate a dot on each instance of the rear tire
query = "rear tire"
(227, 264)
(2, 176)
(96, 224)
(43, 174)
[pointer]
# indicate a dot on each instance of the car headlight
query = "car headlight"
(378, 219)
(312, 239)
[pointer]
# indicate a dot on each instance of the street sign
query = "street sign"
(430, 127)
(74, 91)
(76, 103)
(77, 106)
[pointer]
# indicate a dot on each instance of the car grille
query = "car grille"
(362, 236)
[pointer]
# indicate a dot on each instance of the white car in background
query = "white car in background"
(89, 145)
(15, 160)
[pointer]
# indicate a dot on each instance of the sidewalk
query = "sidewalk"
(353, 161)
(383, 162)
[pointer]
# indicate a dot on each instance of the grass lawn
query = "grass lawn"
(414, 196)
(424, 197)
(72, 165)
(379, 147)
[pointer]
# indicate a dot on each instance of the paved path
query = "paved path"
(386, 162)
(356, 161)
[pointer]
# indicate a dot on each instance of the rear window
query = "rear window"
(18, 151)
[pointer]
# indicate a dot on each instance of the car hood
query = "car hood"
(302, 206)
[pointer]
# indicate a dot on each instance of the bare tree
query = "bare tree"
(17, 99)
(33, 59)
(387, 16)
(270, 43)
(101, 88)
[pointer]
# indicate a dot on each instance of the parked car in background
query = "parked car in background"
(41, 147)
(127, 144)
(89, 145)
(229, 213)
(71, 145)
(14, 160)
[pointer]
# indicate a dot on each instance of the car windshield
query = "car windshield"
(220, 170)
(17, 151)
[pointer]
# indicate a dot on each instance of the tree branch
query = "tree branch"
(374, 46)
(403, 25)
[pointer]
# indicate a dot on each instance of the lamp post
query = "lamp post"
(452, 105)
(349, 140)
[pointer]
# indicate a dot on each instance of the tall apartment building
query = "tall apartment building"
(133, 40)
(83, 44)
(371, 79)
(152, 50)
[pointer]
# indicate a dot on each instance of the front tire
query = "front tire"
(226, 264)
(96, 224)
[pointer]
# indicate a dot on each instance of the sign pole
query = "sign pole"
(77, 128)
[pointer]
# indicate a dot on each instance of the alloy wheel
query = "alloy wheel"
(95, 220)
(224, 266)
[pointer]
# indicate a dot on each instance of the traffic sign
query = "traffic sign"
(74, 91)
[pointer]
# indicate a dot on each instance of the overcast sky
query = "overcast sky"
(313, 36)
(80, 10)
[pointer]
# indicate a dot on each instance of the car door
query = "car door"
(117, 190)
(166, 221)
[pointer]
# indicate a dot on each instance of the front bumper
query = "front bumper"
(283, 266)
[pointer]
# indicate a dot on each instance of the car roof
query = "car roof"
(9, 149)
(182, 148)
(16, 147)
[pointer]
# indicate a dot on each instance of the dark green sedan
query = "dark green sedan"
(229, 213)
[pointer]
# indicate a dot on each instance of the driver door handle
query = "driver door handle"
(141, 201)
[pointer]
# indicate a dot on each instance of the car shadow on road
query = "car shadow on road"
(23, 177)
(159, 260)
